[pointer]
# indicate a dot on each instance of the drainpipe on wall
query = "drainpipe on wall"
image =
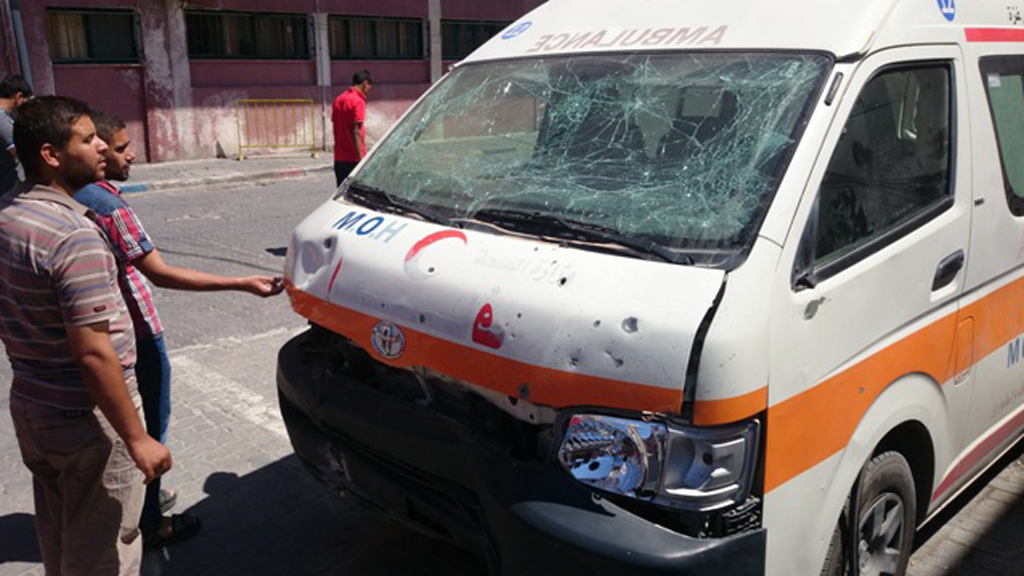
(14, 9)
(434, 16)
(322, 49)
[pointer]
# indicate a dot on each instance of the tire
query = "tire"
(886, 518)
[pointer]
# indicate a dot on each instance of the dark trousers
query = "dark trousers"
(153, 372)
(342, 170)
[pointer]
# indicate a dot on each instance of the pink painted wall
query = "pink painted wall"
(476, 10)
(399, 8)
(209, 73)
(113, 88)
(180, 108)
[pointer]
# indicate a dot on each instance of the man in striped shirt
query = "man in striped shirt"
(138, 259)
(70, 341)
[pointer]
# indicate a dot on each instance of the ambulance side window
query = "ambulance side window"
(1004, 84)
(890, 170)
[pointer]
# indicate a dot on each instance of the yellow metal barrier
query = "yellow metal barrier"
(276, 124)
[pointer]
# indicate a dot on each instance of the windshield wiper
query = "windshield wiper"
(373, 197)
(547, 224)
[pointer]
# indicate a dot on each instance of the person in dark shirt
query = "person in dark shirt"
(14, 91)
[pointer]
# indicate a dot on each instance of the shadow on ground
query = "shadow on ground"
(277, 520)
(985, 540)
(18, 538)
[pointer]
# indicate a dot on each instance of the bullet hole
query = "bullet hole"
(328, 243)
(574, 362)
(430, 270)
(532, 417)
(524, 391)
(617, 361)
(563, 281)
(423, 319)
(708, 459)
(630, 325)
(812, 308)
(594, 466)
(383, 305)
(519, 315)
(513, 400)
(597, 323)
(511, 336)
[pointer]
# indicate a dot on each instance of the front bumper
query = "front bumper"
(437, 475)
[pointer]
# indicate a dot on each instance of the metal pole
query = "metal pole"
(238, 119)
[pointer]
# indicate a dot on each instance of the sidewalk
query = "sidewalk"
(219, 171)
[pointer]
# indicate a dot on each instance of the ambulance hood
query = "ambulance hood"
(528, 319)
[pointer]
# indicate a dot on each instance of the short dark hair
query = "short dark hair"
(12, 84)
(106, 124)
(360, 77)
(45, 120)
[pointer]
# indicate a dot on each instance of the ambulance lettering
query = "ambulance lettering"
(1013, 351)
(627, 38)
(358, 224)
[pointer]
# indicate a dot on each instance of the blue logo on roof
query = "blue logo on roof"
(948, 9)
(519, 29)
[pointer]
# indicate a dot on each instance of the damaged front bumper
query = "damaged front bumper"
(439, 474)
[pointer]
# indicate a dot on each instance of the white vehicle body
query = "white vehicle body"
(909, 340)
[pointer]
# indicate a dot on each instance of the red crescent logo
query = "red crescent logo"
(432, 238)
(411, 268)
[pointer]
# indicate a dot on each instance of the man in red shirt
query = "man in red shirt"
(349, 118)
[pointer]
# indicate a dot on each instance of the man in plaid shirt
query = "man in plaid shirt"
(138, 261)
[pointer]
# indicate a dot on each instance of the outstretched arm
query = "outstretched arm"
(166, 276)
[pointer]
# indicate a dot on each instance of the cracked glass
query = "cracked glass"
(680, 150)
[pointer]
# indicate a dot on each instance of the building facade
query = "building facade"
(174, 69)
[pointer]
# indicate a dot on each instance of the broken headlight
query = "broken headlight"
(677, 466)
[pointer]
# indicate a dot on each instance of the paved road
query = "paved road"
(233, 464)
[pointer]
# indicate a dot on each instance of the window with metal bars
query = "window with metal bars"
(247, 35)
(460, 37)
(92, 35)
(361, 38)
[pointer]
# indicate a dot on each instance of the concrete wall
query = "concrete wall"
(177, 108)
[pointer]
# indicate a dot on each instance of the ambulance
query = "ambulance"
(678, 287)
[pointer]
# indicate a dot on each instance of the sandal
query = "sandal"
(168, 498)
(183, 527)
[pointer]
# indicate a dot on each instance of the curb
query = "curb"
(232, 177)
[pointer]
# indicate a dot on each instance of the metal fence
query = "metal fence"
(271, 124)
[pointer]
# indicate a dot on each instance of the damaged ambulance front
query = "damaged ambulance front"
(511, 297)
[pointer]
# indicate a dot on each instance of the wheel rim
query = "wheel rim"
(881, 536)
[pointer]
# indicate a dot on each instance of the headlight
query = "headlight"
(698, 469)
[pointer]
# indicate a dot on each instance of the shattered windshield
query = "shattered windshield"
(680, 150)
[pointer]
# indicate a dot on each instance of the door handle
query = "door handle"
(948, 269)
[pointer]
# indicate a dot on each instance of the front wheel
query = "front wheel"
(885, 508)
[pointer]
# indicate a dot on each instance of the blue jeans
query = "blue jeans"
(153, 372)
